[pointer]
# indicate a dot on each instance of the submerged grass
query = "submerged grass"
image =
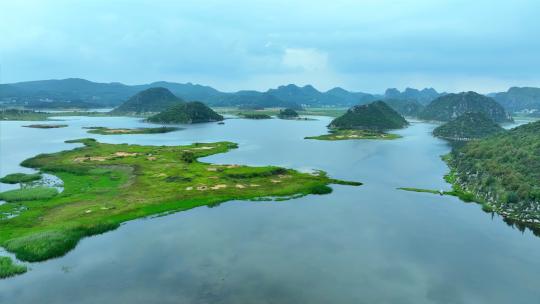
(9, 269)
(28, 194)
(108, 184)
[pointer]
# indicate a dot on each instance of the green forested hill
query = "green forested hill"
(504, 171)
(405, 107)
(450, 106)
(468, 126)
(150, 100)
(189, 112)
(374, 116)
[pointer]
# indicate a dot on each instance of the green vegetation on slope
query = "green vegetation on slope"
(468, 126)
(409, 108)
(354, 134)
(107, 184)
(151, 100)
(186, 113)
(503, 171)
(17, 178)
(119, 131)
(377, 116)
(450, 106)
(9, 269)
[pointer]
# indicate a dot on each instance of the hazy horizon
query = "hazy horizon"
(365, 46)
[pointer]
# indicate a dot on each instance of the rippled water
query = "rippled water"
(368, 244)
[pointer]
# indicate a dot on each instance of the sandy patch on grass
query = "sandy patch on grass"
(90, 158)
(115, 131)
(217, 187)
(124, 154)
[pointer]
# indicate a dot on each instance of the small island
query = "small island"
(469, 126)
(288, 114)
(186, 113)
(108, 184)
(121, 131)
(152, 100)
(365, 122)
(45, 126)
(353, 134)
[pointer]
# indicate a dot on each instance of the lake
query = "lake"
(367, 244)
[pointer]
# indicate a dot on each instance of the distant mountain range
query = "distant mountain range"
(85, 94)
(519, 99)
(112, 94)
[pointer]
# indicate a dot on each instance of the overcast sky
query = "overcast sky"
(482, 45)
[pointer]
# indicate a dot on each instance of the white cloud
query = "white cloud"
(309, 60)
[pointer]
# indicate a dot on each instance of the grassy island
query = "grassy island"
(108, 184)
(109, 131)
(255, 116)
(354, 134)
(45, 126)
(9, 269)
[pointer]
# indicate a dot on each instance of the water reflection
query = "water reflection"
(368, 244)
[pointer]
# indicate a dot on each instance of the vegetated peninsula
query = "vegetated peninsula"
(450, 106)
(365, 122)
(500, 172)
(107, 184)
(152, 100)
(469, 126)
(22, 115)
(503, 172)
(186, 113)
(120, 131)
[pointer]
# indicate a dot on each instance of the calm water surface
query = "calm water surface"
(368, 244)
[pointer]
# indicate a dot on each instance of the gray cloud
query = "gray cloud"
(360, 45)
